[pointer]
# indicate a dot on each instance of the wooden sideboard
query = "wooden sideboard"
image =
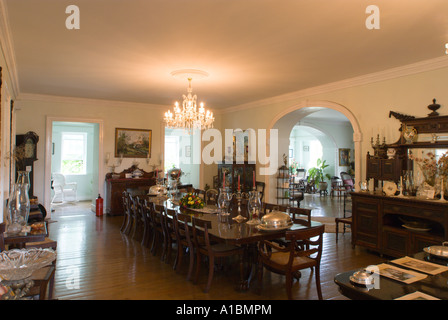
(116, 186)
(378, 223)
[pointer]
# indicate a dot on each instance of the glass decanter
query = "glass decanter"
(18, 207)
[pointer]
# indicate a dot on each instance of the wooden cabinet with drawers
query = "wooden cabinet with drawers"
(394, 225)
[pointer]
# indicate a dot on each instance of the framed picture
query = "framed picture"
(132, 143)
(344, 157)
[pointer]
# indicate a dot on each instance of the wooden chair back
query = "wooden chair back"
(182, 228)
(199, 193)
(308, 240)
(201, 238)
(305, 244)
(298, 215)
(211, 197)
(301, 216)
(260, 186)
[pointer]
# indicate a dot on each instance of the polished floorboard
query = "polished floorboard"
(97, 262)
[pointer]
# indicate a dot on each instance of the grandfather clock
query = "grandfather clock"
(29, 142)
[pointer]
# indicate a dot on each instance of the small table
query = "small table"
(433, 285)
(18, 240)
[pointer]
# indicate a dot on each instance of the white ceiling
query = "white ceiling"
(125, 50)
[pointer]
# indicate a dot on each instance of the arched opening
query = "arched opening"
(285, 121)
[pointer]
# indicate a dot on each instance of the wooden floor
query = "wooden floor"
(96, 261)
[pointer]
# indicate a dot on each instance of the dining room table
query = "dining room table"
(235, 232)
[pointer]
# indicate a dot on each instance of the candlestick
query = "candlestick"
(253, 173)
(238, 182)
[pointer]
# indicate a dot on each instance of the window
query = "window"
(172, 158)
(74, 153)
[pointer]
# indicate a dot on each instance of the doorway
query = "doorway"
(290, 117)
(74, 148)
(181, 150)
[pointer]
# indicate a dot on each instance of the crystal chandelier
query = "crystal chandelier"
(189, 117)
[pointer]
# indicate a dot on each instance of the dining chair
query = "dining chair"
(158, 237)
(199, 193)
(136, 217)
(304, 251)
(211, 197)
(147, 227)
(345, 220)
(129, 214)
(169, 234)
(184, 241)
(152, 231)
(260, 186)
(126, 218)
(204, 247)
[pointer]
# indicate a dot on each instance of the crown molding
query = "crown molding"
(7, 48)
(393, 73)
(23, 97)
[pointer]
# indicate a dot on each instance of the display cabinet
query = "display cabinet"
(413, 214)
(245, 171)
(116, 183)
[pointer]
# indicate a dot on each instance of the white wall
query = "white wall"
(366, 101)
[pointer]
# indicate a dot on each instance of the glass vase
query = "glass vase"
(224, 198)
(18, 208)
(23, 177)
(254, 207)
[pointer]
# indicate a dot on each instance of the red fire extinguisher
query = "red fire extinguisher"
(99, 206)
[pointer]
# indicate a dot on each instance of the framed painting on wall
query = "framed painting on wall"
(344, 157)
(132, 143)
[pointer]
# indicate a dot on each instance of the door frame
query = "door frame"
(48, 150)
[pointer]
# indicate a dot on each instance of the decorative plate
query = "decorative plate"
(389, 188)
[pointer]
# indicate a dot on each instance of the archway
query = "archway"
(285, 121)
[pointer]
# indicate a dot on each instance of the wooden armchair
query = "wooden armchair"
(304, 251)
(204, 247)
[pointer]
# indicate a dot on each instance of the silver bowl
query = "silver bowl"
(157, 190)
(362, 277)
(276, 219)
(174, 173)
(438, 251)
(18, 264)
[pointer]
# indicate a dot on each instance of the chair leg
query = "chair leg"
(211, 268)
(191, 264)
(289, 285)
(198, 267)
(123, 225)
(337, 230)
(319, 289)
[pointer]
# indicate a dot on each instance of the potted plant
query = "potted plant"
(317, 174)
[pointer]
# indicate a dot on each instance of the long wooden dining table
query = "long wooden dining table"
(236, 233)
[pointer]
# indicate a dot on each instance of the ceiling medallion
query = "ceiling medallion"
(189, 117)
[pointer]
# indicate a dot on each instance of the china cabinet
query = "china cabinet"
(244, 172)
(117, 183)
(404, 222)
